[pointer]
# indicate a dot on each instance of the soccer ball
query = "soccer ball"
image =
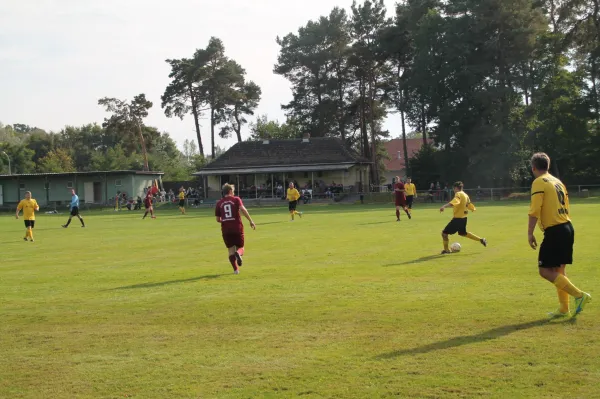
(455, 247)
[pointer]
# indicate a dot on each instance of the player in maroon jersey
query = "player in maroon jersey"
(400, 194)
(148, 205)
(228, 211)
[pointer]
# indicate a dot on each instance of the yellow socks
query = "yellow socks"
(29, 233)
(473, 237)
(563, 283)
(563, 299)
(293, 213)
(446, 248)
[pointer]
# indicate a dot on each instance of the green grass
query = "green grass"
(345, 303)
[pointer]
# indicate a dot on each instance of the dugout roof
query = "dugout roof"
(275, 156)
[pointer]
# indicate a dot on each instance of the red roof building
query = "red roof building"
(396, 165)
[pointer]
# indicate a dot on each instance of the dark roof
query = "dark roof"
(92, 173)
(286, 153)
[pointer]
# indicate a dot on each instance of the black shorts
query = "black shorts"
(182, 203)
(30, 223)
(292, 205)
(75, 211)
(557, 247)
(409, 200)
(456, 226)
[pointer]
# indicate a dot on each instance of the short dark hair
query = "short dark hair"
(458, 184)
(540, 161)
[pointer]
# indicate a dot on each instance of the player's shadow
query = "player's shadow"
(163, 283)
(426, 259)
(468, 339)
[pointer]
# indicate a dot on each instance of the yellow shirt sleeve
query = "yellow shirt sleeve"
(20, 206)
(456, 201)
(537, 199)
(471, 207)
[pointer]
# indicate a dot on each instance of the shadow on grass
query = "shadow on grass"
(370, 223)
(469, 339)
(426, 259)
(163, 283)
(267, 223)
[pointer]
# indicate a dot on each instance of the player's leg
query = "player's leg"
(31, 226)
(446, 243)
(556, 251)
(407, 211)
(81, 220)
(26, 230)
(291, 209)
(563, 297)
(239, 249)
(451, 228)
(397, 212)
(68, 222)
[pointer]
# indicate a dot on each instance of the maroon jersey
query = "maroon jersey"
(228, 209)
(148, 201)
(402, 194)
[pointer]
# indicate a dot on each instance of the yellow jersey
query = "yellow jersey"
(461, 205)
(549, 201)
(293, 194)
(181, 195)
(410, 189)
(29, 206)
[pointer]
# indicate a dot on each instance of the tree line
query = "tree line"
(484, 83)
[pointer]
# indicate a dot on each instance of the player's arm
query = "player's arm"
(19, 207)
(535, 211)
(453, 203)
(218, 214)
(244, 212)
(471, 207)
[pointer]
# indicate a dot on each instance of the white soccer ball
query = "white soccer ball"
(455, 247)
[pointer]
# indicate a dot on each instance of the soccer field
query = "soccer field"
(343, 303)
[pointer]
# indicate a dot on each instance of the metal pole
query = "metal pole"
(312, 182)
(272, 184)
(256, 186)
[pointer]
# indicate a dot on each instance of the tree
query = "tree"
(316, 62)
(56, 161)
(265, 129)
(20, 157)
(183, 94)
(128, 118)
(217, 77)
(368, 25)
(243, 100)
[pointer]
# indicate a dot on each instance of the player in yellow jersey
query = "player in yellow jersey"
(182, 200)
(293, 196)
(461, 205)
(411, 192)
(29, 206)
(550, 210)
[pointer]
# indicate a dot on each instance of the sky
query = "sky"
(58, 57)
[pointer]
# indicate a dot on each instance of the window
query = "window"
(69, 184)
(399, 155)
(118, 183)
(47, 185)
(305, 174)
(22, 186)
(319, 174)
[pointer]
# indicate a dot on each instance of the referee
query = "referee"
(293, 196)
(74, 210)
